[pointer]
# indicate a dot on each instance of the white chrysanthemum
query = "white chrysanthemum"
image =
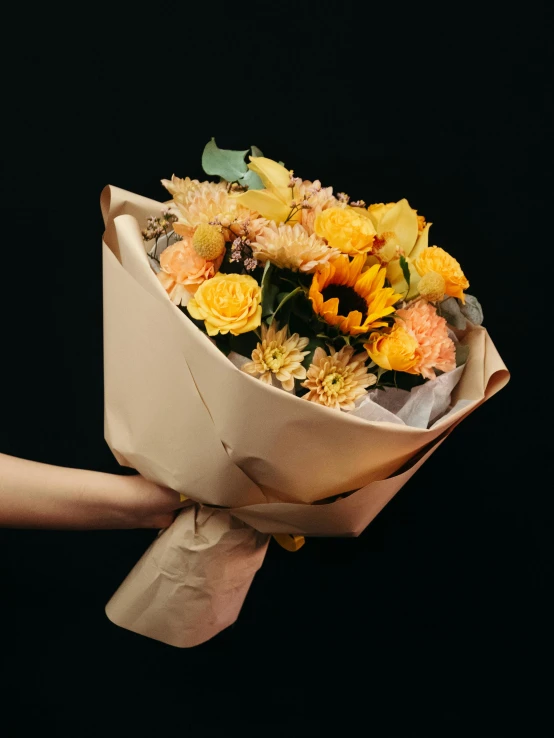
(278, 356)
(291, 247)
(318, 197)
(338, 380)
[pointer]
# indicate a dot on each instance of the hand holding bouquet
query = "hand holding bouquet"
(339, 350)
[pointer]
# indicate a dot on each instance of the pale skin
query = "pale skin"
(35, 495)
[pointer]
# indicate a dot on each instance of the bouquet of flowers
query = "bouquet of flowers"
(283, 356)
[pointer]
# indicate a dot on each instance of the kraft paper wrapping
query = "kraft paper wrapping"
(178, 411)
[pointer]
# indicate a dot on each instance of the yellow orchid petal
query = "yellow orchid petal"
(266, 204)
(395, 275)
(422, 242)
(276, 178)
(402, 220)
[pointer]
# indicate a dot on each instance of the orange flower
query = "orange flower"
(183, 270)
(435, 259)
(436, 348)
(396, 350)
(353, 300)
(350, 230)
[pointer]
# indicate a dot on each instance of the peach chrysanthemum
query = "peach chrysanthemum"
(436, 348)
(182, 270)
(278, 355)
(197, 202)
(338, 380)
(291, 247)
(318, 198)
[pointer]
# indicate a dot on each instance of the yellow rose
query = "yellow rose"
(397, 350)
(348, 229)
(435, 259)
(228, 303)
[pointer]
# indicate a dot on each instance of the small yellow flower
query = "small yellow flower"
(349, 230)
(279, 356)
(228, 303)
(337, 380)
(432, 286)
(435, 259)
(208, 241)
(353, 300)
(396, 350)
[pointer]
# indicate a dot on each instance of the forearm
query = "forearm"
(34, 495)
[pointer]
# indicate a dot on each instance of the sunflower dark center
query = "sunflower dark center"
(349, 299)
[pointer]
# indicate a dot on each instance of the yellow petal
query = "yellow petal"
(276, 178)
(266, 204)
(422, 242)
(396, 277)
(192, 307)
(402, 219)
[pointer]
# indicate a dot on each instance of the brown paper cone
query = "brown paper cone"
(191, 583)
(185, 417)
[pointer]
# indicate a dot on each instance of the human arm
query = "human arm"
(35, 495)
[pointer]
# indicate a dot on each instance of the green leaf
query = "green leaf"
(462, 352)
(269, 290)
(256, 151)
(251, 180)
(405, 270)
(472, 310)
(286, 298)
(450, 310)
(314, 343)
(224, 162)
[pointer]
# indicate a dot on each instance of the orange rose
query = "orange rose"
(397, 350)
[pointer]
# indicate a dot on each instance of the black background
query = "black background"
(435, 620)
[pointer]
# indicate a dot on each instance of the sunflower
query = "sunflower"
(350, 299)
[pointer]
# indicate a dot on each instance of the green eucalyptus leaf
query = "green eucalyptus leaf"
(251, 180)
(256, 151)
(472, 310)
(225, 163)
(449, 309)
(405, 270)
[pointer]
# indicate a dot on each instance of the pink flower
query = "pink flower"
(437, 350)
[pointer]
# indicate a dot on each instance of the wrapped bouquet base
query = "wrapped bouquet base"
(253, 460)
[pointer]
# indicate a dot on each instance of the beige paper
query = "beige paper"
(192, 581)
(178, 411)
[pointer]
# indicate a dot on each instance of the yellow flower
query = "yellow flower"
(275, 202)
(337, 380)
(352, 300)
(278, 355)
(397, 350)
(348, 229)
(228, 303)
(292, 248)
(435, 259)
(400, 232)
(432, 286)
